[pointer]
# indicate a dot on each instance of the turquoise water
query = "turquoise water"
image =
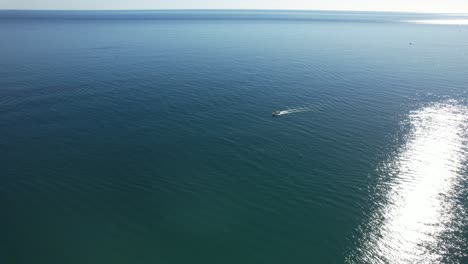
(147, 137)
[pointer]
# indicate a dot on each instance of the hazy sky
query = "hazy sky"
(450, 6)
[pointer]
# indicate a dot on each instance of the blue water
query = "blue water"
(147, 137)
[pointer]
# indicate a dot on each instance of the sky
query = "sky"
(437, 6)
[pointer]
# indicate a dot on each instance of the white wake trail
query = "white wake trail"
(293, 110)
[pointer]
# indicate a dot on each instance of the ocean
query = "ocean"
(148, 137)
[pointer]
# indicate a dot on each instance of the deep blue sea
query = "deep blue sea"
(147, 137)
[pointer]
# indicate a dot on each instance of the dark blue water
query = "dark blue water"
(147, 137)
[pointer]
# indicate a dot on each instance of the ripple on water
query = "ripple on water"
(417, 214)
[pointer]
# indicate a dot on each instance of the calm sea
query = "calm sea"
(147, 137)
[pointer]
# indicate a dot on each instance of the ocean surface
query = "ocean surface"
(147, 137)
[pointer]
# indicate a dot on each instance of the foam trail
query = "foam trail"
(294, 110)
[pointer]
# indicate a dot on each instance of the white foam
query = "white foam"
(293, 110)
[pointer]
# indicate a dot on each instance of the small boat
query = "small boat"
(276, 113)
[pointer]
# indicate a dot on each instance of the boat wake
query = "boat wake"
(290, 111)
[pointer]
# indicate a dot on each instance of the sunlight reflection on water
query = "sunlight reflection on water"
(441, 21)
(418, 207)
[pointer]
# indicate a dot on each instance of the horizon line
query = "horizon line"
(243, 9)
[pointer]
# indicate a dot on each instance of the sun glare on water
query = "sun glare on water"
(418, 184)
(441, 21)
